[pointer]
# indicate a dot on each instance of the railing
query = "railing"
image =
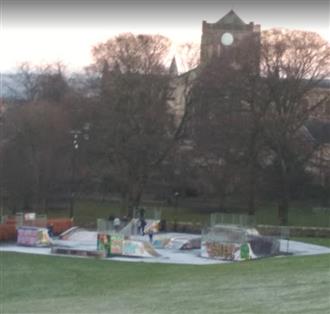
(232, 219)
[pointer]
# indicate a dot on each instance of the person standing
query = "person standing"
(141, 213)
(151, 234)
(143, 225)
(116, 224)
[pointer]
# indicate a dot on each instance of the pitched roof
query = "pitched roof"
(231, 18)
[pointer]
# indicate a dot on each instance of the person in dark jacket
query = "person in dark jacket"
(151, 234)
(143, 225)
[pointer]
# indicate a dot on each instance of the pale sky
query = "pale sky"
(65, 30)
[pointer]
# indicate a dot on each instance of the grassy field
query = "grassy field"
(48, 284)
(299, 215)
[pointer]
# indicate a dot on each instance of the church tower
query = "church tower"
(229, 32)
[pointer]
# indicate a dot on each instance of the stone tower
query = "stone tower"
(227, 33)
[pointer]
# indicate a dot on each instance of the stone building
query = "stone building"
(228, 35)
(229, 32)
(224, 36)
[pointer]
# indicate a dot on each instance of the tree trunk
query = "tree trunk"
(283, 211)
(43, 205)
(325, 190)
(252, 193)
(252, 174)
(284, 199)
(134, 197)
(222, 200)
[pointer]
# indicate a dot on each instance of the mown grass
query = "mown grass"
(87, 211)
(48, 284)
(300, 214)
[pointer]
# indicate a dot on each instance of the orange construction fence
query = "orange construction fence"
(8, 228)
(60, 224)
(7, 232)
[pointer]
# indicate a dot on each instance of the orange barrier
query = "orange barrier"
(8, 229)
(7, 232)
(10, 221)
(60, 224)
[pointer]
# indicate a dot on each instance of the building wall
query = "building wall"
(211, 44)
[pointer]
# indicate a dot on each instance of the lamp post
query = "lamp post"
(76, 134)
(176, 197)
(1, 162)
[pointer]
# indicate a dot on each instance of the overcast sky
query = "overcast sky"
(63, 30)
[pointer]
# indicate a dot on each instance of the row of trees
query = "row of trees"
(241, 126)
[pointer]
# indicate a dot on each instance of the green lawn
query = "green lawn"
(48, 284)
(300, 214)
(87, 212)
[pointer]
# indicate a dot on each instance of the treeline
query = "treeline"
(233, 129)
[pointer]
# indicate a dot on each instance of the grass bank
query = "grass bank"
(48, 284)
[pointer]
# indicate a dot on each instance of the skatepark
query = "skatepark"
(217, 243)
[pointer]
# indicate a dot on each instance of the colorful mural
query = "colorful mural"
(219, 250)
(117, 244)
(104, 244)
(33, 236)
(133, 248)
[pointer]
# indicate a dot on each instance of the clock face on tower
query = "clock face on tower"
(227, 39)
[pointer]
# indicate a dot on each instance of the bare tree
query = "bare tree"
(189, 55)
(135, 129)
(35, 154)
(293, 64)
(45, 82)
(143, 54)
(38, 140)
(246, 115)
(228, 110)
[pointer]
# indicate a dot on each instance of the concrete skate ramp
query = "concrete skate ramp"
(81, 240)
(181, 242)
(80, 235)
(264, 246)
(76, 241)
(232, 242)
(177, 241)
(139, 249)
(66, 234)
(132, 227)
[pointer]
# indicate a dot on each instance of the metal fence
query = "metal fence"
(30, 219)
(232, 219)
